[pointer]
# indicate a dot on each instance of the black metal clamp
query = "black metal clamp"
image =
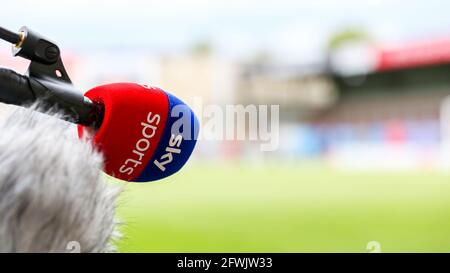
(46, 79)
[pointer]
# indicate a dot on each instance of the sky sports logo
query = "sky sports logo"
(148, 131)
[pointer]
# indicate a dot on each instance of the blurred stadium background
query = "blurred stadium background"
(364, 132)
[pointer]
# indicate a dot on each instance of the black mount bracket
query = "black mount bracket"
(44, 55)
(49, 79)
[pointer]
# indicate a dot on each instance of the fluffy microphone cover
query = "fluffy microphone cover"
(53, 197)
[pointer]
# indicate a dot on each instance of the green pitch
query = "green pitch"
(290, 208)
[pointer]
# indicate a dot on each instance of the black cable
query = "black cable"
(9, 36)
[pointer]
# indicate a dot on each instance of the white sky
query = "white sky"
(292, 30)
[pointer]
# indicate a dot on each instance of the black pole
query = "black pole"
(21, 90)
(9, 36)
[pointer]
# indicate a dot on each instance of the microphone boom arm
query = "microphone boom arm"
(21, 90)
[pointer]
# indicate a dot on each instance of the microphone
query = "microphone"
(144, 133)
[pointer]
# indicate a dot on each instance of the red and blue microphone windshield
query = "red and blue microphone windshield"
(146, 134)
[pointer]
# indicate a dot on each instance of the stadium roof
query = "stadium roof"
(356, 59)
